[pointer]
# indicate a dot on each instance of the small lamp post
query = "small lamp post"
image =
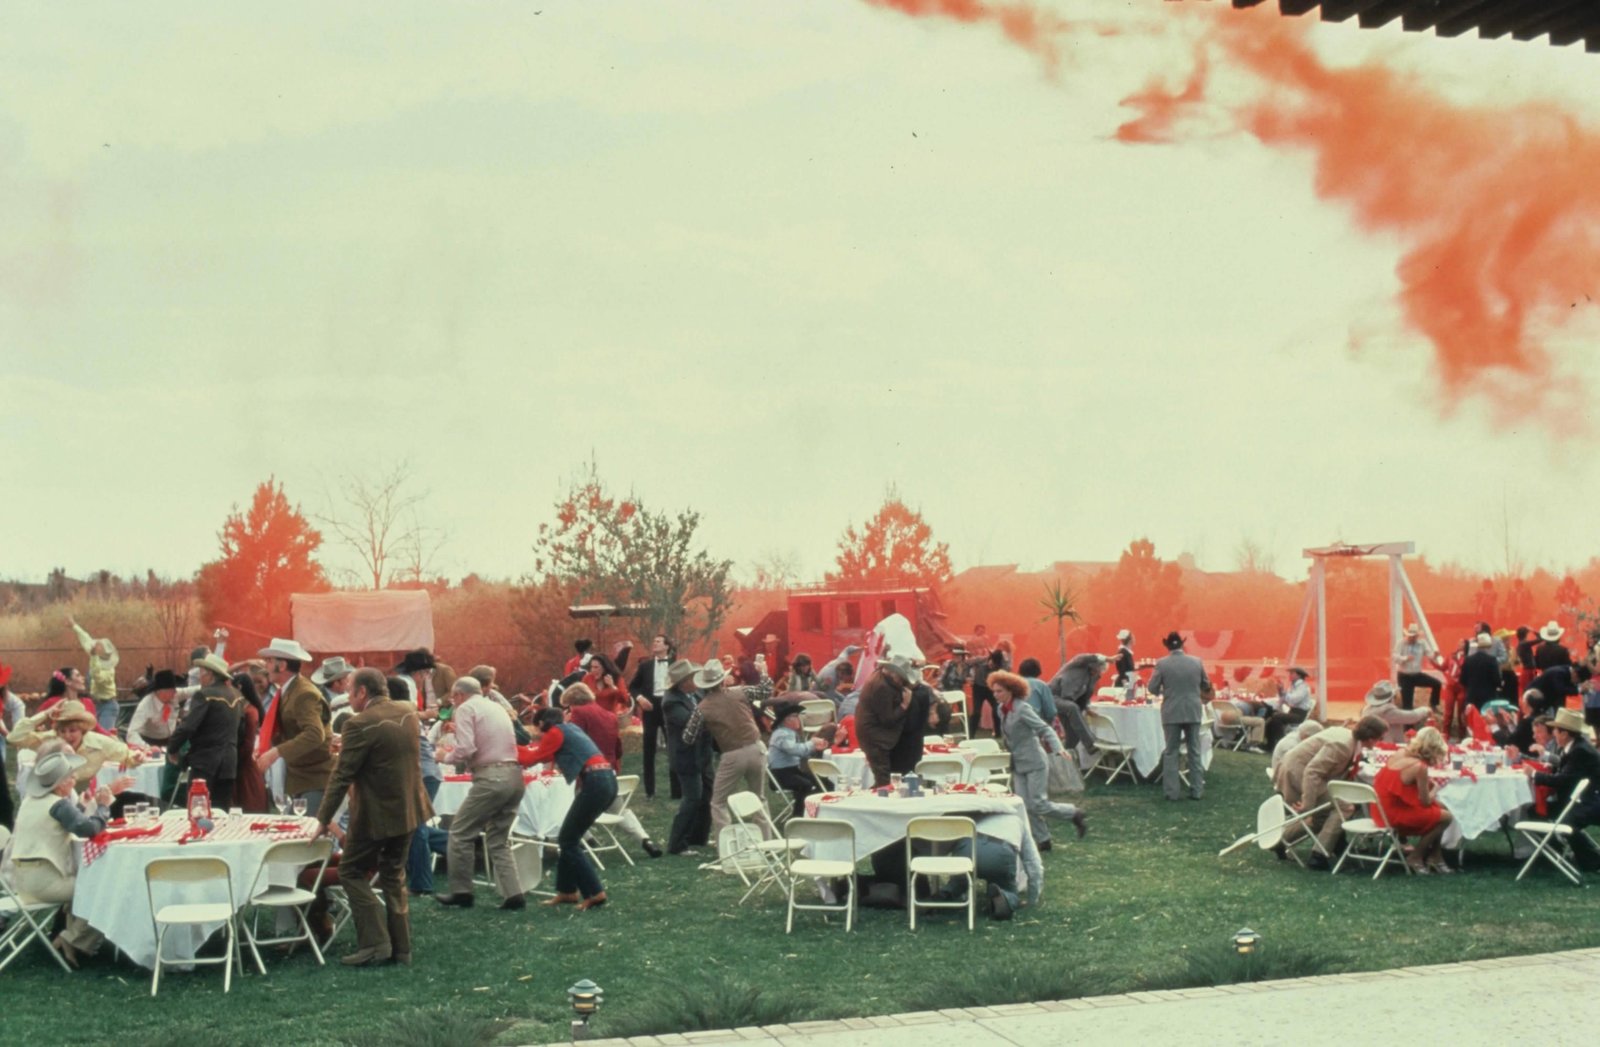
(586, 998)
(1245, 942)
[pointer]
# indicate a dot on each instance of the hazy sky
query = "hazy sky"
(758, 259)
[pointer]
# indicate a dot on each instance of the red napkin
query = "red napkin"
(1469, 774)
(274, 827)
(937, 748)
(458, 777)
(963, 787)
(193, 835)
(1388, 747)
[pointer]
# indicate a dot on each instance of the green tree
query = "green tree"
(267, 552)
(894, 548)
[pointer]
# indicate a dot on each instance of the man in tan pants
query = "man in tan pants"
(485, 742)
(727, 713)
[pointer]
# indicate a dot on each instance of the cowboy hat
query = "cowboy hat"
(897, 666)
(680, 671)
(1173, 641)
(1124, 634)
(331, 670)
(1300, 672)
(1413, 629)
(1551, 632)
(783, 710)
(415, 662)
(1484, 640)
(50, 769)
(72, 711)
(289, 650)
(1569, 720)
(164, 680)
(710, 675)
(213, 664)
(1381, 693)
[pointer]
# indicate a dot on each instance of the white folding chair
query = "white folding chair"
(748, 809)
(780, 801)
(815, 714)
(942, 830)
(1116, 756)
(627, 785)
(978, 745)
(1545, 835)
(191, 873)
(987, 767)
(1272, 818)
(957, 700)
(290, 896)
(809, 832)
(935, 768)
(1364, 831)
(25, 921)
(826, 770)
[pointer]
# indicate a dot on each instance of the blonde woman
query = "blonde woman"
(1408, 800)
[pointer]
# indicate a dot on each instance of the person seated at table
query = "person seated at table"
(40, 852)
(158, 711)
(600, 724)
(1501, 719)
(213, 728)
(1298, 701)
(1305, 730)
(787, 753)
(1406, 796)
(1029, 739)
(1303, 777)
(1578, 760)
(844, 736)
(595, 782)
(1380, 702)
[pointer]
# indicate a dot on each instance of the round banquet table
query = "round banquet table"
(544, 801)
(1140, 726)
(1476, 801)
(110, 890)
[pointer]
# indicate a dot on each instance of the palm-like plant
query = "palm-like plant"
(1062, 602)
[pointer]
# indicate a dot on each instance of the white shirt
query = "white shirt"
(662, 665)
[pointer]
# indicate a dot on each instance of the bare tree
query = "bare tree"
(173, 606)
(1251, 557)
(376, 517)
(775, 569)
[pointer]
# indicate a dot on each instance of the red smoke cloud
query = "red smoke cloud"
(1497, 209)
(1023, 24)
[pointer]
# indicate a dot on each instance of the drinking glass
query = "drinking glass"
(282, 804)
(235, 812)
(894, 782)
(300, 806)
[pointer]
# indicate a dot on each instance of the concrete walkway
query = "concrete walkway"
(1480, 1002)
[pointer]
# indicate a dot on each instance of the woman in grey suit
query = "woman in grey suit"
(1027, 737)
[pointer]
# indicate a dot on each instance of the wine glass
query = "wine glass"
(281, 802)
(299, 806)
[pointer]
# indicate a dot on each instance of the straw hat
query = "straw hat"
(1570, 720)
(72, 712)
(213, 664)
(710, 675)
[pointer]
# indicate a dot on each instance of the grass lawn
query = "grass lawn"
(1143, 903)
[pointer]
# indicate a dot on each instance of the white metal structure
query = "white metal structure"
(1401, 596)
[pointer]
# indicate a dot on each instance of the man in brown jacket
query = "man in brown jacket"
(881, 714)
(1303, 778)
(300, 737)
(379, 766)
(727, 714)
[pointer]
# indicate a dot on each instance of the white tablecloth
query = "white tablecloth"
(544, 803)
(1140, 727)
(1478, 806)
(146, 776)
(854, 764)
(110, 891)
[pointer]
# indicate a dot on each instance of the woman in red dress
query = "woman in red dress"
(1406, 797)
(249, 789)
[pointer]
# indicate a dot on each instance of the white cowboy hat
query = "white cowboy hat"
(288, 649)
(331, 670)
(1484, 640)
(1551, 632)
(710, 675)
(213, 664)
(50, 770)
(1413, 629)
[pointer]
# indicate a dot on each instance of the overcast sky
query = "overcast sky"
(758, 259)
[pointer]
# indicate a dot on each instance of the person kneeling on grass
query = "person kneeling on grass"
(595, 781)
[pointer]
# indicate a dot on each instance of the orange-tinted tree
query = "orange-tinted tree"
(1143, 592)
(894, 548)
(268, 552)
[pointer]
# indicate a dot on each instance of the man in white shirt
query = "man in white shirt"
(160, 710)
(486, 743)
(1410, 656)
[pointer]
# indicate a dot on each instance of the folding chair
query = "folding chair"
(627, 785)
(815, 714)
(1363, 830)
(1116, 757)
(947, 829)
(828, 832)
(748, 809)
(1544, 836)
(1272, 818)
(934, 768)
(25, 921)
(988, 767)
(826, 770)
(291, 896)
(978, 745)
(780, 801)
(197, 871)
(957, 700)
(1231, 729)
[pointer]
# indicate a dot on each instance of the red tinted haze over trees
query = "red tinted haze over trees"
(894, 548)
(267, 552)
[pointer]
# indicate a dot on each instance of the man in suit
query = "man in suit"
(1028, 738)
(649, 689)
(1578, 761)
(297, 725)
(379, 763)
(1303, 777)
(1180, 679)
